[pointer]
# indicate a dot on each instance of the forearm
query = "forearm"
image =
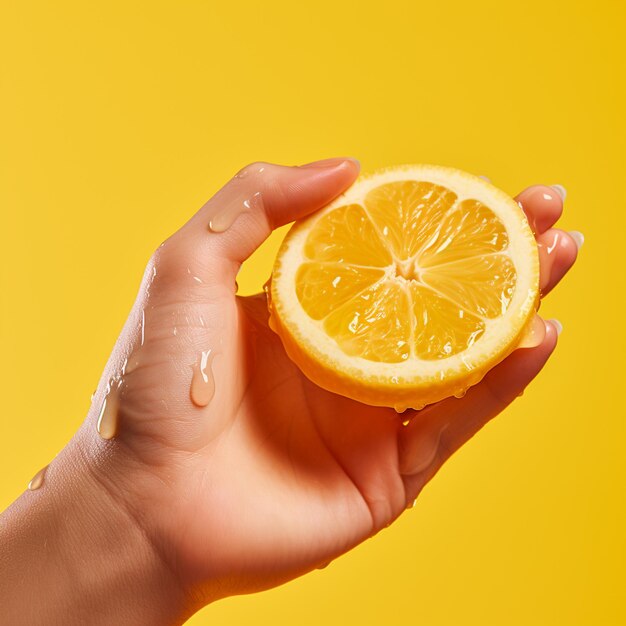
(70, 554)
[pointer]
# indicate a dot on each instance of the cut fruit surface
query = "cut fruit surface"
(408, 288)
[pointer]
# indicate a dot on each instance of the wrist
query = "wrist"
(72, 553)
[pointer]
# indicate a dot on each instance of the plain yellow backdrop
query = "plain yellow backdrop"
(119, 119)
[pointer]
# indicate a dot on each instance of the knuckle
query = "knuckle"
(166, 265)
(258, 171)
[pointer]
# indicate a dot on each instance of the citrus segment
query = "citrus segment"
(470, 230)
(347, 235)
(375, 325)
(441, 327)
(407, 213)
(323, 287)
(482, 285)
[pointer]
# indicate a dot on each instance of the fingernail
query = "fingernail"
(330, 163)
(560, 190)
(578, 237)
(557, 325)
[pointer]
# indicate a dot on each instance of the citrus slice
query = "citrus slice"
(408, 288)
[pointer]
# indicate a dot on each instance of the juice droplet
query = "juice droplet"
(222, 218)
(324, 565)
(109, 413)
(534, 335)
(406, 422)
(547, 256)
(202, 381)
(37, 480)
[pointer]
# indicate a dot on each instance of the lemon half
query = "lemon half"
(408, 288)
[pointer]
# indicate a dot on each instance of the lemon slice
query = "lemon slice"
(408, 288)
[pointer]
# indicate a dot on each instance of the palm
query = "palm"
(298, 474)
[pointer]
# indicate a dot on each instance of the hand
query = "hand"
(275, 476)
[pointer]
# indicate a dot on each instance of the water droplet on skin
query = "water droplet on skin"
(37, 480)
(547, 256)
(133, 363)
(406, 422)
(410, 505)
(534, 335)
(223, 217)
(196, 278)
(143, 327)
(324, 565)
(175, 331)
(202, 381)
(109, 412)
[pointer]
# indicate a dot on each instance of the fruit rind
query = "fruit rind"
(412, 383)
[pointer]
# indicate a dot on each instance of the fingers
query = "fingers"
(543, 206)
(558, 249)
(241, 215)
(557, 253)
(436, 432)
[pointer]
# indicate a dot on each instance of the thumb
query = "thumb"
(242, 214)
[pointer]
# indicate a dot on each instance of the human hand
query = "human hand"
(274, 476)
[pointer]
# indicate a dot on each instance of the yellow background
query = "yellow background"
(118, 119)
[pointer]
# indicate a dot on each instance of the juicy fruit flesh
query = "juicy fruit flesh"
(411, 274)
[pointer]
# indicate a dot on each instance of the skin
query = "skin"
(275, 477)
